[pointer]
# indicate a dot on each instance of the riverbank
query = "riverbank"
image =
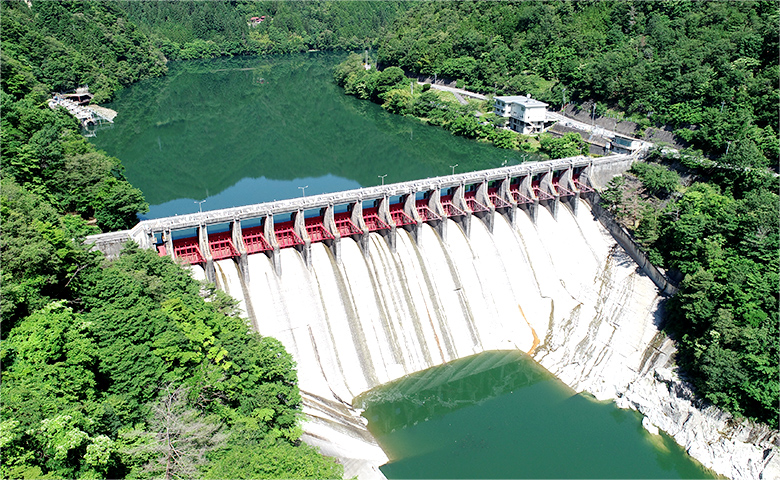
(737, 449)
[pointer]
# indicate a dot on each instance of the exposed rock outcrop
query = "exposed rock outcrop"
(738, 449)
(641, 376)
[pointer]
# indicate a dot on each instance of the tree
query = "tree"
(40, 258)
(426, 102)
(612, 196)
(398, 101)
(657, 179)
(353, 65)
(270, 459)
(466, 126)
(179, 437)
(569, 145)
(387, 80)
(503, 138)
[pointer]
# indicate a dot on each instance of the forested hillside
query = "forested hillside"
(185, 30)
(58, 46)
(708, 69)
(127, 368)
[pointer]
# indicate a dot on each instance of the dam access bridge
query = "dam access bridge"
(204, 237)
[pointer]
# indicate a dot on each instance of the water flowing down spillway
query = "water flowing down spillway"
(560, 289)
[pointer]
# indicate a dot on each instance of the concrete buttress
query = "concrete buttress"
(203, 242)
(270, 236)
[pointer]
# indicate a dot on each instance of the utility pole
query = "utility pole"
(728, 144)
(721, 105)
(563, 101)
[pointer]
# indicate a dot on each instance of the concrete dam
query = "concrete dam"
(367, 286)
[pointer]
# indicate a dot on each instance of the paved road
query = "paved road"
(459, 91)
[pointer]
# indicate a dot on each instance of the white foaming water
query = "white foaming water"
(376, 318)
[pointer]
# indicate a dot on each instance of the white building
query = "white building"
(526, 115)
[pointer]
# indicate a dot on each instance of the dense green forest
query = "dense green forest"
(186, 30)
(58, 46)
(127, 368)
(719, 229)
(708, 69)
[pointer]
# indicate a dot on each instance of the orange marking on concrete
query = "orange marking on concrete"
(533, 332)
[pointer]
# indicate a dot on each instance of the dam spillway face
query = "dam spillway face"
(559, 288)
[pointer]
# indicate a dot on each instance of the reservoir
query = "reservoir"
(231, 132)
(248, 130)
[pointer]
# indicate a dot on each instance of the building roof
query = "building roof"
(626, 137)
(523, 100)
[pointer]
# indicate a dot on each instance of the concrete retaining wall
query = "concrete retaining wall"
(606, 168)
(664, 284)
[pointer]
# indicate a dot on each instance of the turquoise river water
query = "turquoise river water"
(248, 130)
(512, 419)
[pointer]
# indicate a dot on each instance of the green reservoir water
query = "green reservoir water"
(246, 130)
(501, 415)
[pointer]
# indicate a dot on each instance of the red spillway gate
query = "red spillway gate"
(286, 236)
(514, 191)
(474, 205)
(449, 209)
(345, 225)
(540, 194)
(425, 212)
(498, 202)
(188, 249)
(316, 230)
(399, 216)
(373, 222)
(583, 188)
(221, 246)
(254, 241)
(562, 191)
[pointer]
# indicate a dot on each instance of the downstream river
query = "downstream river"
(502, 415)
(229, 132)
